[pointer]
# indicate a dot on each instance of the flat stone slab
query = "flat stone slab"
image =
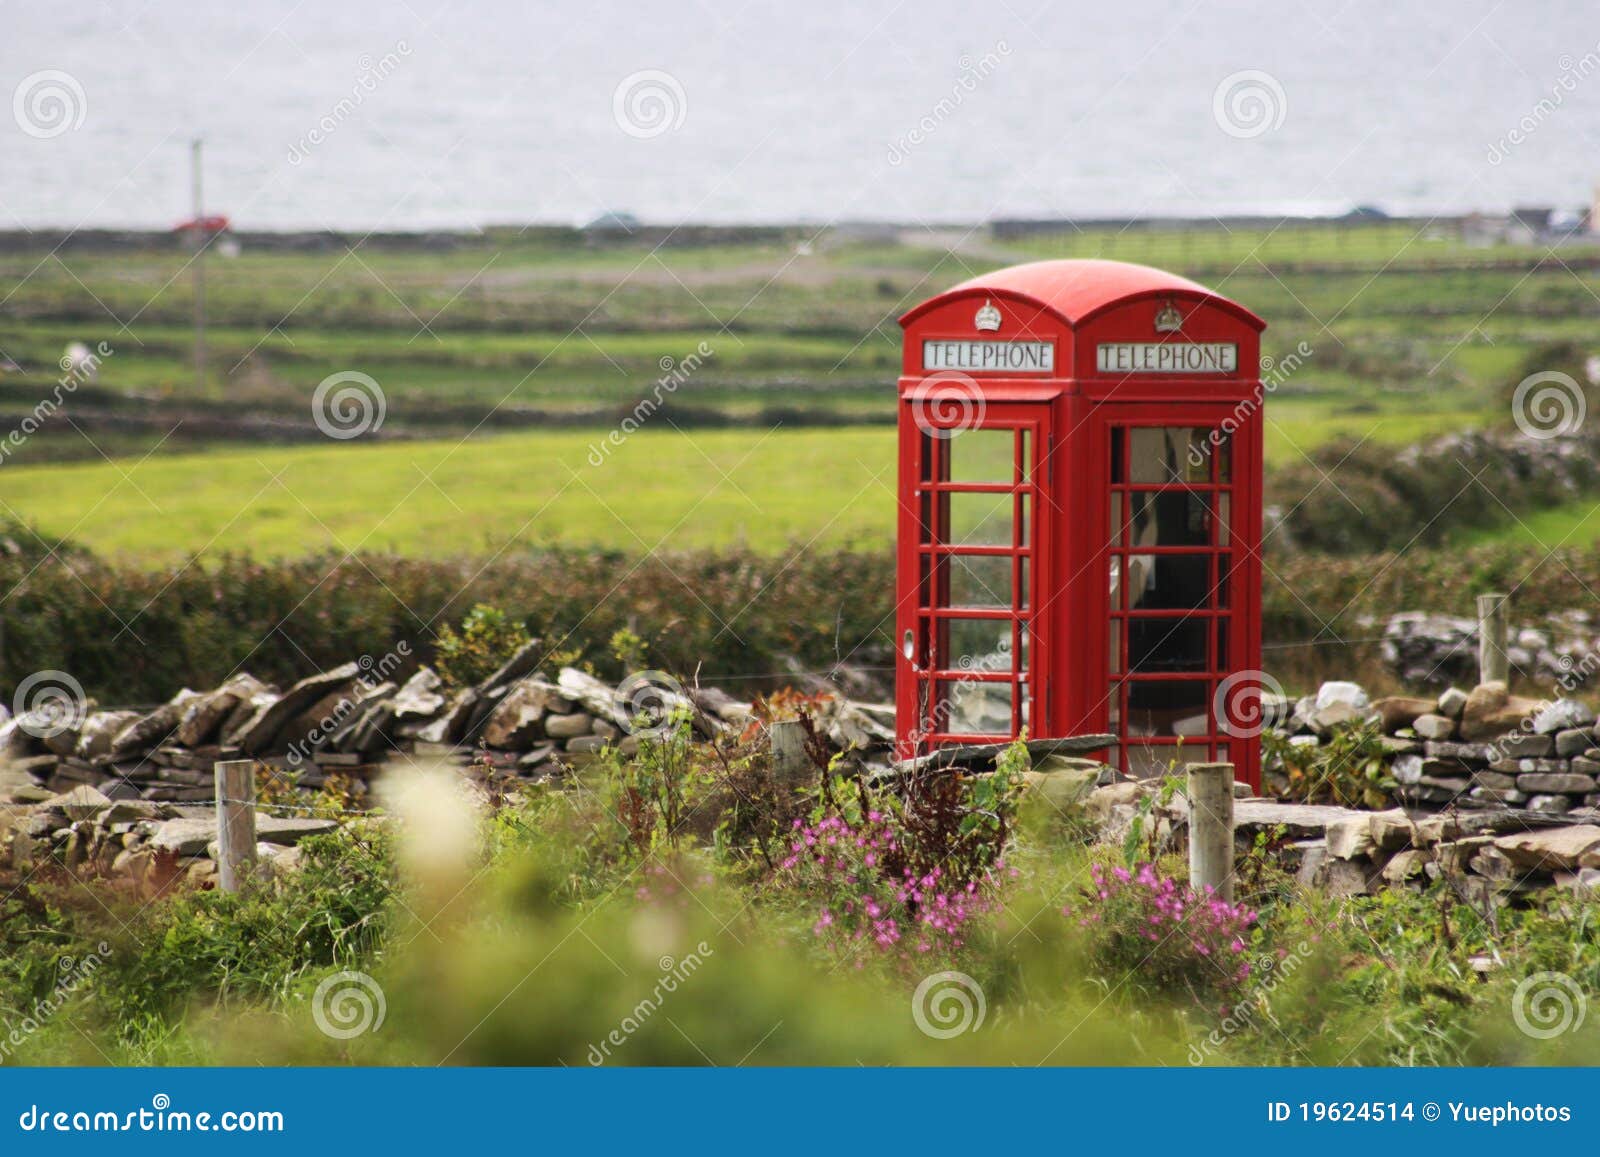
(1566, 848)
(190, 837)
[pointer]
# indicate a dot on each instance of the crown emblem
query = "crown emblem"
(1168, 319)
(988, 317)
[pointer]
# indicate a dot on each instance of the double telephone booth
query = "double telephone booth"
(1080, 516)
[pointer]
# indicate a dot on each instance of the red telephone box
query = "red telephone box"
(1080, 515)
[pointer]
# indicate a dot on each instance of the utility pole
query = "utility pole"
(199, 273)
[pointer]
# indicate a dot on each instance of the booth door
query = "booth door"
(973, 648)
(1174, 570)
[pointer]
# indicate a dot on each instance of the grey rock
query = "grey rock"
(585, 744)
(1549, 804)
(1524, 766)
(1467, 752)
(1524, 744)
(419, 697)
(1547, 849)
(1561, 715)
(517, 720)
(1573, 741)
(190, 837)
(1494, 780)
(569, 726)
(1436, 727)
(1452, 701)
(264, 728)
(1555, 782)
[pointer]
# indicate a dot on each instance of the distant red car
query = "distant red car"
(211, 224)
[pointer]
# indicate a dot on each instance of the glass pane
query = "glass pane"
(1169, 708)
(1159, 454)
(1222, 643)
(982, 456)
(977, 645)
(1115, 645)
(1119, 522)
(969, 708)
(980, 519)
(1221, 512)
(1022, 582)
(1167, 646)
(1224, 456)
(1024, 458)
(980, 580)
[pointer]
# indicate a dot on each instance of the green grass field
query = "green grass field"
(1413, 333)
(478, 496)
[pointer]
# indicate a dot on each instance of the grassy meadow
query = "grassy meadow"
(502, 358)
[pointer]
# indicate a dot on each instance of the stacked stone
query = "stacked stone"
(150, 846)
(1423, 649)
(1491, 749)
(348, 720)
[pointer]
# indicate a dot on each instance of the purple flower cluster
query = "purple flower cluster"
(1150, 922)
(868, 895)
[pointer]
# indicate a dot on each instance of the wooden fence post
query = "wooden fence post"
(236, 822)
(791, 766)
(1493, 663)
(1211, 828)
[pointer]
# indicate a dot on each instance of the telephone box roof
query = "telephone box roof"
(1076, 290)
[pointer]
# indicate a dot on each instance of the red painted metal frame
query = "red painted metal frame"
(1075, 306)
